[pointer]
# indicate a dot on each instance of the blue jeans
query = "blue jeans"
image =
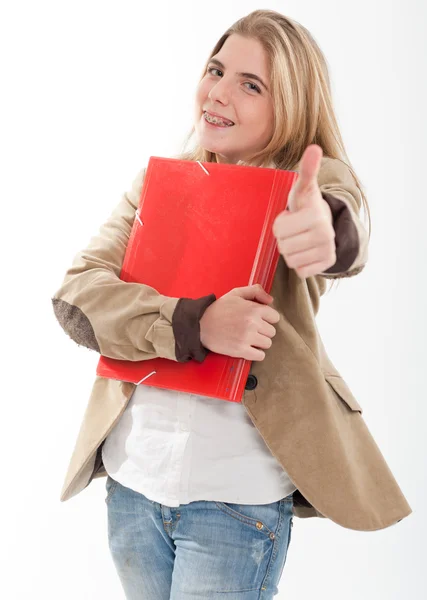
(197, 551)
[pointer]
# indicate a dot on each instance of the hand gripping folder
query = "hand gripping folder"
(201, 229)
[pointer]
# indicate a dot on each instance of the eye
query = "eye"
(254, 86)
(210, 69)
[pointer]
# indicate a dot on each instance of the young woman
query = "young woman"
(201, 493)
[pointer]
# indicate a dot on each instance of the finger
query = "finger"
(288, 224)
(270, 315)
(267, 329)
(261, 341)
(313, 269)
(304, 241)
(254, 354)
(299, 260)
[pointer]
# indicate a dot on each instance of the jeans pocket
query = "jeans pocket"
(264, 518)
(291, 524)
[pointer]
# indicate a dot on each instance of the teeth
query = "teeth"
(216, 120)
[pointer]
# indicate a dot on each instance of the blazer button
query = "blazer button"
(251, 382)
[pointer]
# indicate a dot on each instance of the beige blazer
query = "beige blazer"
(296, 398)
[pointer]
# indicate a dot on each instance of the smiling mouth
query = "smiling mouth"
(217, 121)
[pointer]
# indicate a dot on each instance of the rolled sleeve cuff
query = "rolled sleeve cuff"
(186, 328)
(346, 235)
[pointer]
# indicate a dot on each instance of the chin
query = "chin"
(208, 145)
(224, 155)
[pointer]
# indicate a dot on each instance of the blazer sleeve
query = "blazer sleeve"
(123, 320)
(339, 190)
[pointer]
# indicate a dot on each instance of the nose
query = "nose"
(220, 92)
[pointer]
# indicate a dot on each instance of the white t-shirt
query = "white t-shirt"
(176, 448)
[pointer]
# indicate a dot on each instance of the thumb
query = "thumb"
(259, 294)
(309, 166)
(255, 292)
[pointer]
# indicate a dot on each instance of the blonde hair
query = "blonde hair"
(301, 93)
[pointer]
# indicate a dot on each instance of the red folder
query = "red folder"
(201, 228)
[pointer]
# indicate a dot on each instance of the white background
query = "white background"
(89, 91)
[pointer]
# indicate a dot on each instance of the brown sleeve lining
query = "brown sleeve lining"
(346, 236)
(186, 328)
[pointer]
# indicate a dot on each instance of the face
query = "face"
(230, 90)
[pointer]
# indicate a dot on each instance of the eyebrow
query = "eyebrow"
(215, 61)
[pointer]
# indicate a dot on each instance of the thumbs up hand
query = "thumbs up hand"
(304, 231)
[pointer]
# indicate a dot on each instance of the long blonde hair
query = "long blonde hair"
(301, 92)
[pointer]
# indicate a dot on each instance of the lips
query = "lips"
(213, 114)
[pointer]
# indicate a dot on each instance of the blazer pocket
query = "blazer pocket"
(341, 388)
